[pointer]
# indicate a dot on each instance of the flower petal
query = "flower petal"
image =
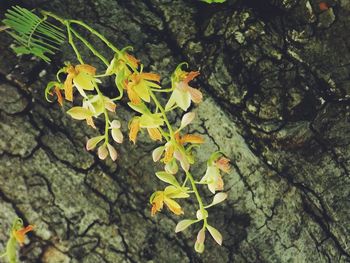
(157, 153)
(183, 224)
(142, 91)
(167, 178)
(112, 152)
(201, 236)
(187, 119)
(218, 198)
(68, 87)
(183, 160)
(173, 206)
(215, 234)
(102, 152)
(150, 76)
(182, 98)
(154, 134)
(171, 167)
(191, 138)
(196, 95)
(91, 143)
(116, 124)
(117, 135)
(79, 113)
(134, 129)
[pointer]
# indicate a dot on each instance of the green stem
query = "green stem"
(160, 107)
(93, 31)
(2, 255)
(92, 49)
(199, 199)
(58, 18)
(162, 90)
(105, 114)
(71, 42)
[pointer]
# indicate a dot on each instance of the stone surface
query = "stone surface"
(275, 75)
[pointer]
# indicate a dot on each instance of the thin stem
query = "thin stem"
(92, 49)
(172, 108)
(162, 90)
(106, 125)
(184, 183)
(2, 255)
(71, 42)
(199, 199)
(93, 31)
(105, 114)
(205, 182)
(58, 18)
(154, 98)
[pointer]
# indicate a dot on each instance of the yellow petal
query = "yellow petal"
(154, 134)
(169, 152)
(68, 87)
(191, 138)
(59, 96)
(173, 206)
(150, 76)
(86, 69)
(157, 202)
(133, 97)
(134, 129)
(90, 122)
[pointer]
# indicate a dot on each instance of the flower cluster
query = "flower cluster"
(175, 152)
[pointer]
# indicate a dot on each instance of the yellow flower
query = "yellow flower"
(138, 85)
(148, 120)
(80, 76)
(20, 234)
(183, 93)
(166, 197)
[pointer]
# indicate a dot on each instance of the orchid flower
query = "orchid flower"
(81, 77)
(171, 192)
(183, 93)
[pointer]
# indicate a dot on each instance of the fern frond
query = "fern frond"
(32, 34)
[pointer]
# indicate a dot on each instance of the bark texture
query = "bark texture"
(275, 74)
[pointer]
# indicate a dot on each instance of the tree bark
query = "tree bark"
(275, 75)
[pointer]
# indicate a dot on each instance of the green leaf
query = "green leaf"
(167, 178)
(32, 34)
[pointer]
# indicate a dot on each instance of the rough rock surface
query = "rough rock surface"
(276, 79)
